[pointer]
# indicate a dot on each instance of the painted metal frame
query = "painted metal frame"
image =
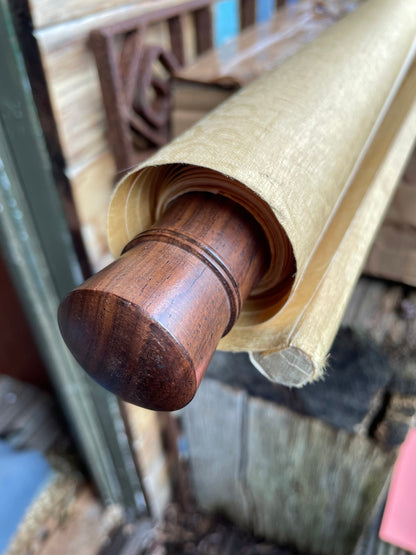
(36, 244)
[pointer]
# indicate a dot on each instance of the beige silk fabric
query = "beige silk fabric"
(312, 139)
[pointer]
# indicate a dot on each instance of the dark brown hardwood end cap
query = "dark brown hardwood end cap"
(126, 350)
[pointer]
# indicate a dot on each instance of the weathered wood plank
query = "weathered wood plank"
(46, 13)
(291, 479)
(403, 208)
(393, 255)
(313, 486)
(214, 425)
(375, 308)
(349, 397)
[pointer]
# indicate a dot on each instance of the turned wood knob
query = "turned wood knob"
(147, 326)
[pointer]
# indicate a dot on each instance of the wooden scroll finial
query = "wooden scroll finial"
(147, 326)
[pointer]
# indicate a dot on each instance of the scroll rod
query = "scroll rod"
(146, 326)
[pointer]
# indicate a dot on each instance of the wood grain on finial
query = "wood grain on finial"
(147, 326)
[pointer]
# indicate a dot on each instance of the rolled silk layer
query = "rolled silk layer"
(313, 149)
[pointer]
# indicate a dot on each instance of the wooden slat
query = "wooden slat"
(393, 255)
(114, 82)
(216, 449)
(247, 13)
(375, 309)
(260, 48)
(402, 211)
(189, 37)
(92, 187)
(291, 479)
(204, 29)
(177, 38)
(46, 13)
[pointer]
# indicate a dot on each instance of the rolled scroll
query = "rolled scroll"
(313, 150)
